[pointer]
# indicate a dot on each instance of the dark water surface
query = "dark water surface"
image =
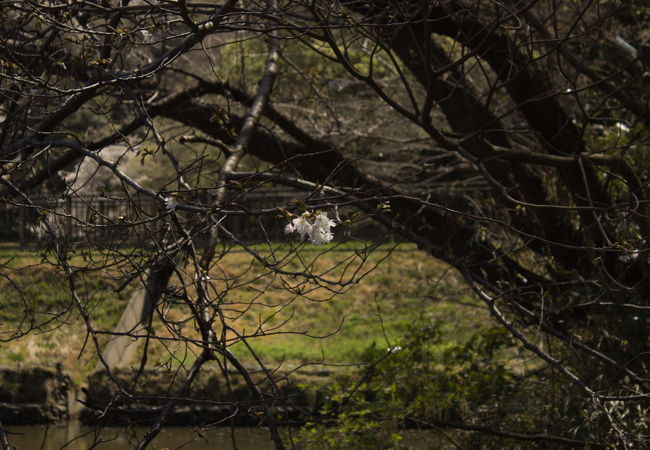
(73, 436)
(56, 436)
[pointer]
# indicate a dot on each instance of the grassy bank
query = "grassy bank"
(384, 292)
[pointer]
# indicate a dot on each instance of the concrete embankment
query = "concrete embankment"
(37, 395)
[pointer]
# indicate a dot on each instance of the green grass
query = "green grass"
(384, 292)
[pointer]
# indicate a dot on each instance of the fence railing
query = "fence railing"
(113, 221)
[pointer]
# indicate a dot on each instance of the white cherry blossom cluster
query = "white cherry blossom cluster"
(317, 227)
(170, 204)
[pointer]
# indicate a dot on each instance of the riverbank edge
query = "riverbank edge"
(47, 395)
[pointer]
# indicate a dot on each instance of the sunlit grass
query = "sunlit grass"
(367, 295)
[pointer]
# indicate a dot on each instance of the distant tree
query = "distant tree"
(509, 139)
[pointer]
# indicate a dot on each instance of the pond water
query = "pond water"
(79, 437)
(74, 436)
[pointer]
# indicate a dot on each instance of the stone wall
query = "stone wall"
(40, 395)
(34, 395)
(213, 399)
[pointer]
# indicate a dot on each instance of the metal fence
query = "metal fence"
(114, 221)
